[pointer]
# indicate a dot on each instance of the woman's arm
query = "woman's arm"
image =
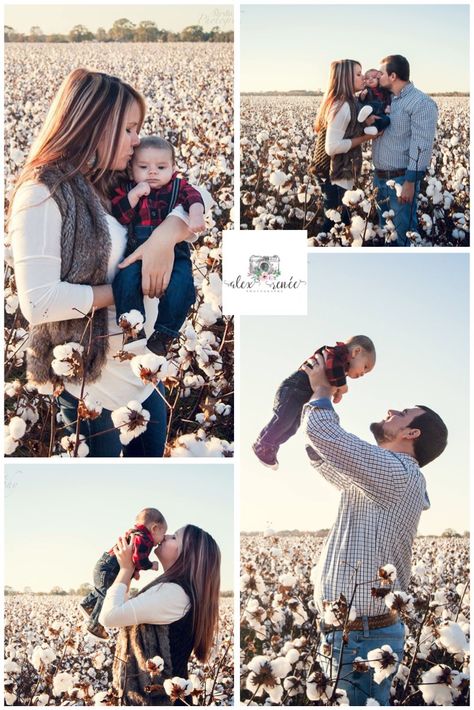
(35, 230)
(161, 604)
(336, 128)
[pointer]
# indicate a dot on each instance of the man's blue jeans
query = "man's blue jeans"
(176, 301)
(405, 219)
(103, 440)
(360, 686)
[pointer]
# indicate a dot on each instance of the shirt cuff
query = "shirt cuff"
(322, 403)
(414, 175)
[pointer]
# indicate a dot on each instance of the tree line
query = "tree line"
(122, 30)
(81, 591)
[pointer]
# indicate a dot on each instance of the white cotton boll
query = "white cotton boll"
(93, 405)
(388, 573)
(262, 136)
(208, 314)
(17, 428)
(17, 156)
(10, 698)
(10, 445)
(333, 215)
(452, 637)
(454, 141)
(149, 367)
(62, 683)
(435, 685)
(200, 418)
(131, 421)
(353, 197)
(13, 389)
(278, 178)
(287, 580)
(383, 660)
(366, 206)
(458, 234)
(41, 699)
(357, 226)
(11, 302)
(292, 656)
(68, 443)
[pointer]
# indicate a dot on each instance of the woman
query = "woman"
(173, 616)
(67, 248)
(343, 135)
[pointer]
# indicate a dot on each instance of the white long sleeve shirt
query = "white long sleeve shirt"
(335, 141)
(161, 604)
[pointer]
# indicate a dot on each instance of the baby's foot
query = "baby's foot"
(159, 343)
(364, 113)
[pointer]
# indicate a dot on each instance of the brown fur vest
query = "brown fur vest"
(348, 166)
(85, 250)
(137, 644)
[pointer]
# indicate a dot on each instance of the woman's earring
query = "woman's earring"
(92, 162)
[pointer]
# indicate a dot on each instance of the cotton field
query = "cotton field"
(277, 192)
(51, 660)
(279, 646)
(188, 89)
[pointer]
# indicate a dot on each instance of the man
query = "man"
(383, 493)
(403, 152)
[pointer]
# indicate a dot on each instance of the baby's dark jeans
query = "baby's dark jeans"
(105, 572)
(176, 301)
(381, 119)
(291, 396)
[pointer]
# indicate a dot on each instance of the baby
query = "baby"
(149, 531)
(376, 103)
(353, 358)
(144, 204)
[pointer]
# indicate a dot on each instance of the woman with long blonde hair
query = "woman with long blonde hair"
(172, 617)
(67, 248)
(340, 136)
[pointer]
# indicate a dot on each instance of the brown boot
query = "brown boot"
(98, 631)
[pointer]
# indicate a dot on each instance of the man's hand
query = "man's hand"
(407, 193)
(370, 120)
(314, 368)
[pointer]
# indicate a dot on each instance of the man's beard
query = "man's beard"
(379, 432)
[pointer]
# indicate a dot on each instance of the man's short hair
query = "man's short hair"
(433, 436)
(396, 64)
(157, 142)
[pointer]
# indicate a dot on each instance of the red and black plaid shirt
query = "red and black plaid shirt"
(142, 546)
(152, 209)
(337, 360)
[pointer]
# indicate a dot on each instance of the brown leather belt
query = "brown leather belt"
(388, 174)
(373, 622)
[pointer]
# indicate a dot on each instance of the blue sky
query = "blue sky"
(415, 307)
(286, 47)
(60, 518)
(61, 18)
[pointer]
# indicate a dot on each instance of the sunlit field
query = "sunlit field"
(280, 650)
(277, 142)
(51, 660)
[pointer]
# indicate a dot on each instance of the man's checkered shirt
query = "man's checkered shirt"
(382, 497)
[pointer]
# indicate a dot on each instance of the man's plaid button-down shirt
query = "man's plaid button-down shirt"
(382, 497)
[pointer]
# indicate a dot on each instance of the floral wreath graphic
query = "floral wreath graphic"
(264, 269)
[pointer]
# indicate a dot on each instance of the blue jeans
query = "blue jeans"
(107, 443)
(405, 219)
(290, 398)
(382, 120)
(105, 572)
(178, 298)
(360, 686)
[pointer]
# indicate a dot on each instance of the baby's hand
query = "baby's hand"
(154, 566)
(370, 120)
(141, 189)
(337, 397)
(197, 224)
(136, 574)
(387, 109)
(363, 94)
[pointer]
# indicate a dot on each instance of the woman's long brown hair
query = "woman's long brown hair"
(89, 107)
(340, 90)
(197, 570)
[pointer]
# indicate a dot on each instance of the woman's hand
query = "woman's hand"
(123, 552)
(157, 255)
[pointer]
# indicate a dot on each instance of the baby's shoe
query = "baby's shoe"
(98, 631)
(364, 113)
(370, 131)
(266, 455)
(159, 343)
(85, 610)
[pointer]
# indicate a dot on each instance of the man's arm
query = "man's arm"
(423, 129)
(376, 471)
